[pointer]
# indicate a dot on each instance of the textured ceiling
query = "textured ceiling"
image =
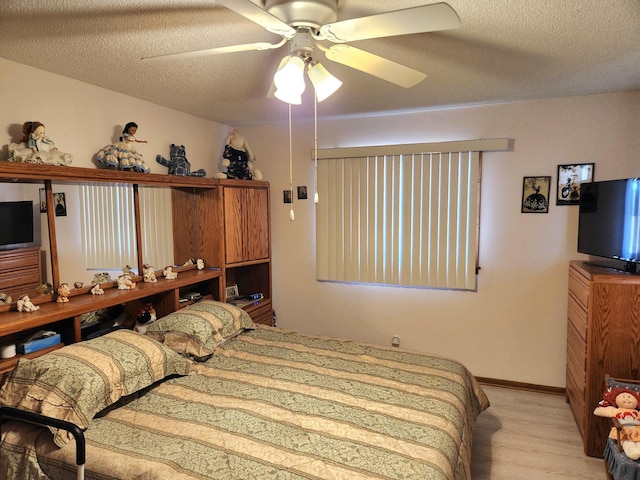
(505, 50)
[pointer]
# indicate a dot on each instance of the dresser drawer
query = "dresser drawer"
(16, 279)
(576, 358)
(579, 287)
(577, 317)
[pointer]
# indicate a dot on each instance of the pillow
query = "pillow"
(77, 381)
(195, 331)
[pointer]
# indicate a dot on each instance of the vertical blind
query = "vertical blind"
(399, 219)
(108, 226)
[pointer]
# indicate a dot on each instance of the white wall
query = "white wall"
(513, 328)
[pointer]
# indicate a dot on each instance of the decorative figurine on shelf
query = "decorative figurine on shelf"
(200, 264)
(36, 147)
(125, 282)
(148, 273)
(63, 293)
(77, 284)
(127, 270)
(238, 159)
(102, 277)
(25, 305)
(621, 403)
(146, 317)
(169, 274)
(5, 299)
(123, 155)
(97, 290)
(178, 163)
(44, 289)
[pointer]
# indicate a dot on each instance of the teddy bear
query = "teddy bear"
(621, 403)
(238, 159)
(178, 163)
(63, 293)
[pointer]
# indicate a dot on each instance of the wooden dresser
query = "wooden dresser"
(603, 336)
(20, 271)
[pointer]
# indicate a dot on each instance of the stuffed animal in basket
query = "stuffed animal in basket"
(621, 403)
(178, 163)
(238, 159)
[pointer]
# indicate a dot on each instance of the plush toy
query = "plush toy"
(178, 163)
(146, 317)
(622, 403)
(238, 159)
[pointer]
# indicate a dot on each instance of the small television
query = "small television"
(19, 225)
(609, 222)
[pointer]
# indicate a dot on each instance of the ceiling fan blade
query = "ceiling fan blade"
(375, 65)
(217, 51)
(427, 18)
(257, 15)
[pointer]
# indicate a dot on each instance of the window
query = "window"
(393, 218)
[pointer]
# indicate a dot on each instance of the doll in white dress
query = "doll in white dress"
(123, 155)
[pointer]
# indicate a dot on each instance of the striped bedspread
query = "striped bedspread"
(273, 404)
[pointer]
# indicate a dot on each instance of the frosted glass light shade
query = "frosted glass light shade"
(323, 82)
(288, 96)
(291, 76)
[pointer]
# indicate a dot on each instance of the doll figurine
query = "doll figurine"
(97, 289)
(123, 154)
(622, 404)
(36, 147)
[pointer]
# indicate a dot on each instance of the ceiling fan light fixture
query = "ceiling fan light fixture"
(288, 96)
(323, 82)
(290, 77)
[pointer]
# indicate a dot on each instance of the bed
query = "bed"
(210, 395)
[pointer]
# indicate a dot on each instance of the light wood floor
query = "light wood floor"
(529, 436)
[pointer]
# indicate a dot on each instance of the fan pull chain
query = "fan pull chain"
(315, 148)
(291, 214)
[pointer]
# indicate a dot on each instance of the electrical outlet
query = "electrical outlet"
(395, 341)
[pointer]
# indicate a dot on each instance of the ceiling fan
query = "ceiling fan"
(305, 24)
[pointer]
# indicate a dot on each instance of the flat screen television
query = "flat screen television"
(609, 222)
(19, 225)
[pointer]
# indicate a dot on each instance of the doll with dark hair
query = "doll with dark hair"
(123, 155)
(36, 147)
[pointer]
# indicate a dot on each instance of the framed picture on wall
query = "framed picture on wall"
(569, 179)
(535, 194)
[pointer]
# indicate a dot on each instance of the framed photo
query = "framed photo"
(535, 194)
(60, 204)
(43, 201)
(287, 196)
(569, 179)
(302, 192)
